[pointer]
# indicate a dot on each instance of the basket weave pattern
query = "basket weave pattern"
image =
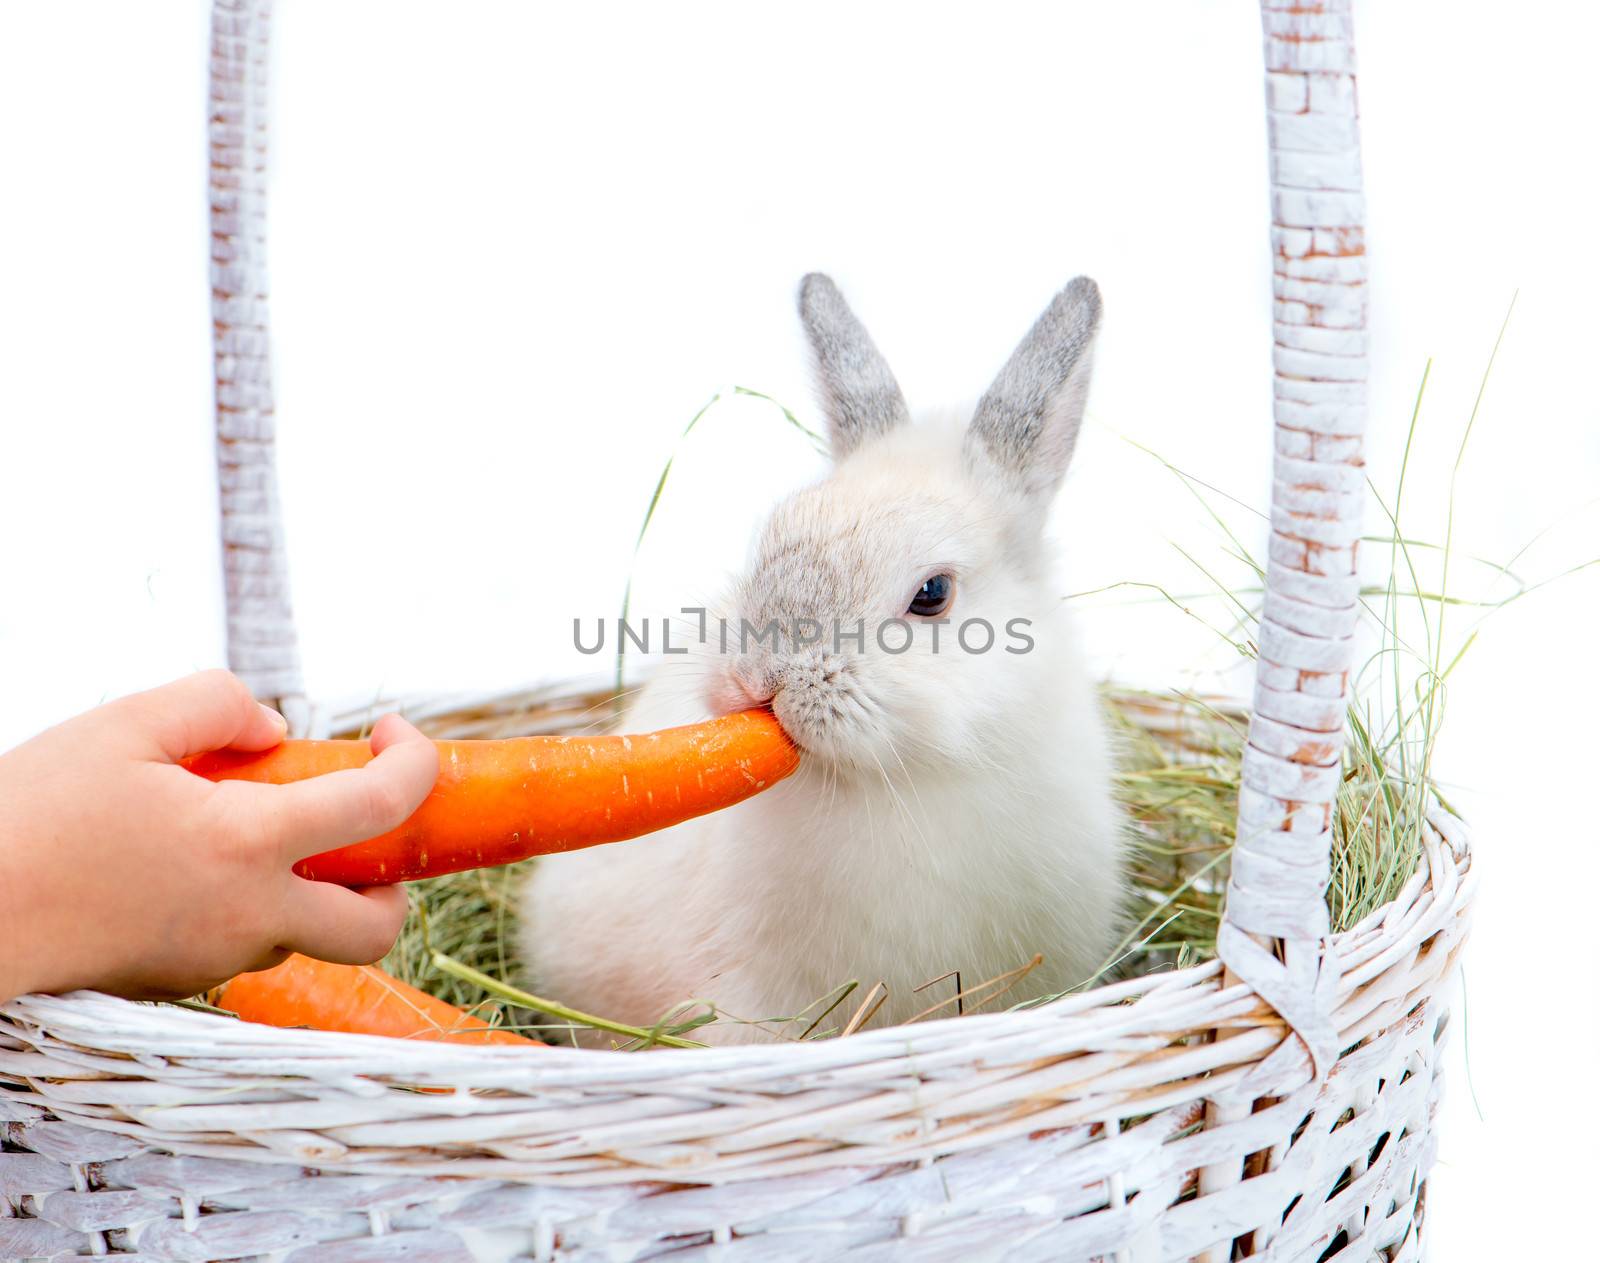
(1070, 1131)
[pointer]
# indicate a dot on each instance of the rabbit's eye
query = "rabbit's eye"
(933, 597)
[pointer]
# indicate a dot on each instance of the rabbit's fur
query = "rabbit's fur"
(953, 809)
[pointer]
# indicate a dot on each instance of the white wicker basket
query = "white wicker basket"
(1278, 1103)
(1073, 1131)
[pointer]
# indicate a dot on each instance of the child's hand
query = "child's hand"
(123, 872)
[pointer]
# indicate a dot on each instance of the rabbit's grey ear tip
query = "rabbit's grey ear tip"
(815, 286)
(1084, 290)
(1081, 297)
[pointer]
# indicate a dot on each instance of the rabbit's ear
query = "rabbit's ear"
(1027, 423)
(859, 393)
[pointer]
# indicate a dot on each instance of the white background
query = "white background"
(515, 248)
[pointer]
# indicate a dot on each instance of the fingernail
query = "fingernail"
(281, 723)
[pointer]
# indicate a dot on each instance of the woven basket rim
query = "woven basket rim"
(162, 1077)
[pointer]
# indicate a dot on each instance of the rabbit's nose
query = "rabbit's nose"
(756, 683)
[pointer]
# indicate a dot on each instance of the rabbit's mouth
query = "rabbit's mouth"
(829, 721)
(816, 696)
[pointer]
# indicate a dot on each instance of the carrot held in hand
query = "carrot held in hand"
(500, 801)
(355, 999)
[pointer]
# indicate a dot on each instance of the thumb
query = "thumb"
(212, 710)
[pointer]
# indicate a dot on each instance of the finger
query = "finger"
(339, 808)
(207, 711)
(392, 729)
(265, 730)
(268, 960)
(347, 927)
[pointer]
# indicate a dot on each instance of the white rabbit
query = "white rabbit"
(953, 809)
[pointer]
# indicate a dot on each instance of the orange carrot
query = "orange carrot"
(356, 999)
(500, 801)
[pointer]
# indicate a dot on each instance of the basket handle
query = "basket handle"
(263, 649)
(1275, 921)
